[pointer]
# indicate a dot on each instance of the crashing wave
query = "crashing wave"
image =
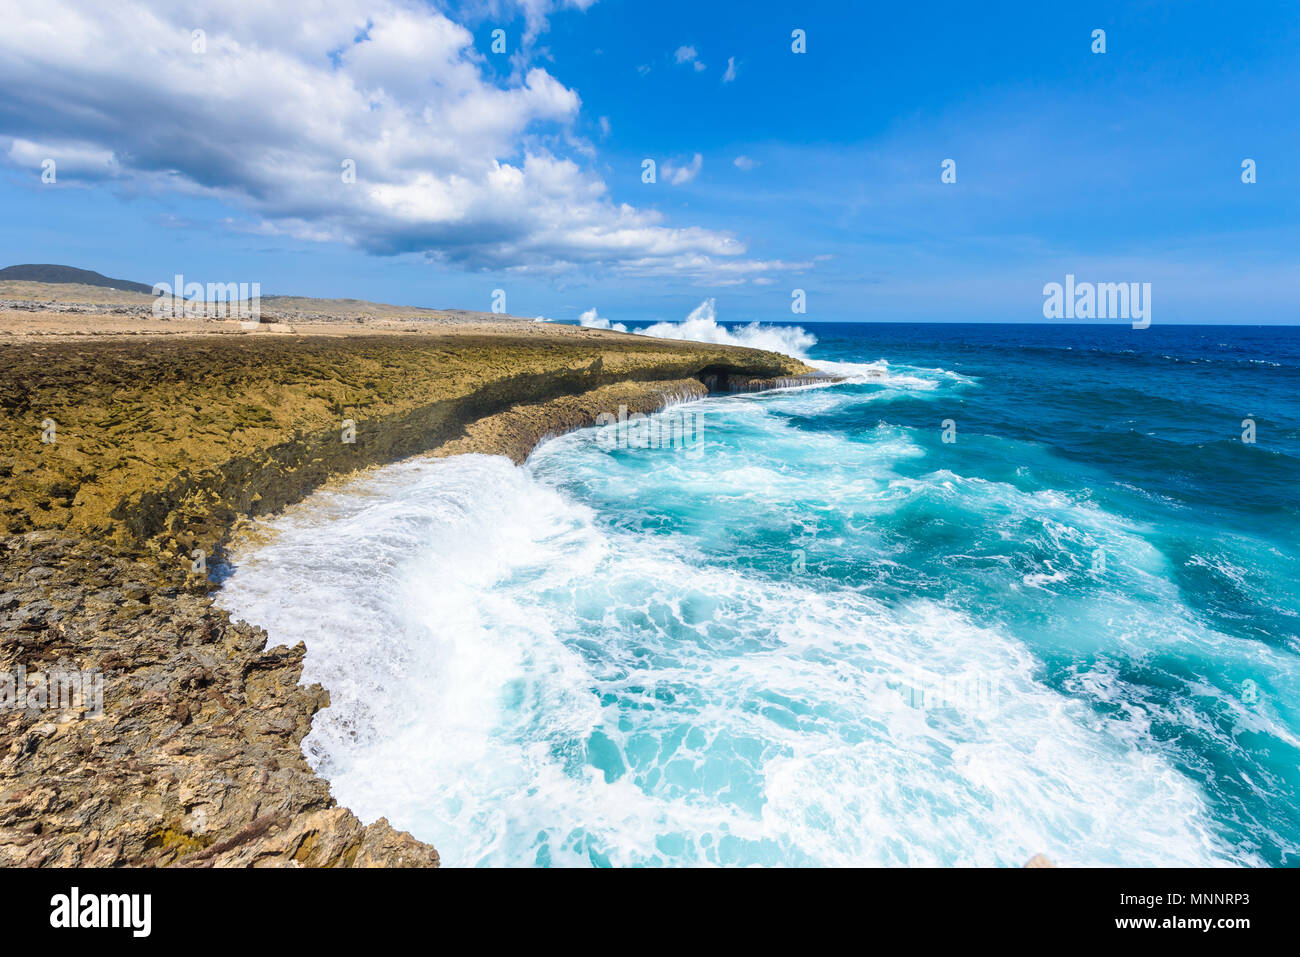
(591, 320)
(702, 326)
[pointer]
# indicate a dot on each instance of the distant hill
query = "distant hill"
(51, 285)
(45, 272)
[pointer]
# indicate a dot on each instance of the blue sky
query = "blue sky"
(523, 171)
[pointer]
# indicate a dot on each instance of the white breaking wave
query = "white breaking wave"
(517, 682)
(702, 326)
(592, 321)
(880, 372)
(895, 377)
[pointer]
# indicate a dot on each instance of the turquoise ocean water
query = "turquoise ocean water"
(1007, 590)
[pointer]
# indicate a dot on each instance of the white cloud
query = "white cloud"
(87, 163)
(536, 13)
(679, 174)
(688, 55)
(448, 161)
(709, 271)
(745, 162)
(730, 74)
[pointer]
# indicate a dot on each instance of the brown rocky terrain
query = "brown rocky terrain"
(128, 451)
(43, 305)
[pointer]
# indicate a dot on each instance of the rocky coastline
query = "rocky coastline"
(125, 463)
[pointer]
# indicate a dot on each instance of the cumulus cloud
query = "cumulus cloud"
(679, 173)
(287, 97)
(745, 162)
(536, 13)
(688, 55)
(85, 162)
(730, 73)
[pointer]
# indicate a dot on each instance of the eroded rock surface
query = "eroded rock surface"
(195, 756)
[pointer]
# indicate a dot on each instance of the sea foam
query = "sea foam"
(582, 662)
(702, 325)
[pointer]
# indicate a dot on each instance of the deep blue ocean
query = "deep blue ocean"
(1007, 590)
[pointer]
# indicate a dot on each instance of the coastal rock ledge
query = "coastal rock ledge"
(127, 461)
